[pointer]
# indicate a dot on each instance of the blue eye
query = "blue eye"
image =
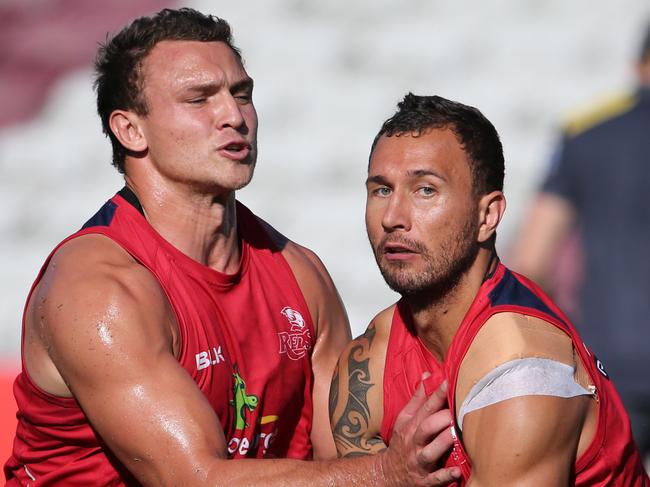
(427, 191)
(382, 191)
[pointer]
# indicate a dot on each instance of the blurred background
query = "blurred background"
(326, 76)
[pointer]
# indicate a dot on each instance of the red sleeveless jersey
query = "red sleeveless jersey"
(246, 340)
(612, 459)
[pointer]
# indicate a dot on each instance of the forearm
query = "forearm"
(364, 470)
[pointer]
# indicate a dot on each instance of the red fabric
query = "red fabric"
(7, 409)
(612, 459)
(229, 324)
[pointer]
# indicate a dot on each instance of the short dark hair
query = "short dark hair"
(476, 134)
(118, 65)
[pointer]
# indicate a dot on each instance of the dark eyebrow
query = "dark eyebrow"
(418, 173)
(377, 180)
(245, 84)
(212, 87)
(202, 88)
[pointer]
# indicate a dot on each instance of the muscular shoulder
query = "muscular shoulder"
(381, 325)
(93, 267)
(90, 255)
(506, 336)
(510, 336)
(86, 302)
(528, 420)
(308, 268)
(370, 347)
(374, 341)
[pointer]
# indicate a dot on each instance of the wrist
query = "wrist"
(386, 471)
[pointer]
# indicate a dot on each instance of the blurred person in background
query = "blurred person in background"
(598, 186)
(176, 329)
(531, 406)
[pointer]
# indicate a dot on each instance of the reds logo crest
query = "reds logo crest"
(294, 317)
(296, 342)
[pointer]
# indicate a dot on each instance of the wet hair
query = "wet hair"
(118, 66)
(476, 134)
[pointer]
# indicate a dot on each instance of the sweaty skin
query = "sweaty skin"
(421, 209)
(558, 430)
(99, 327)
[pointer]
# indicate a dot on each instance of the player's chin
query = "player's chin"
(239, 175)
(396, 275)
(245, 177)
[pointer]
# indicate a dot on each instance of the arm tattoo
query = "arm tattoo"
(334, 393)
(349, 431)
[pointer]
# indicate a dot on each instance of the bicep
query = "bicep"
(356, 399)
(109, 339)
(525, 411)
(527, 440)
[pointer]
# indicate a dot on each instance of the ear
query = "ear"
(126, 126)
(492, 206)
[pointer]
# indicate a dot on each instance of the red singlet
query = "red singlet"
(246, 340)
(612, 458)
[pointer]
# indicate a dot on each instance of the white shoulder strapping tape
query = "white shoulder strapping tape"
(522, 377)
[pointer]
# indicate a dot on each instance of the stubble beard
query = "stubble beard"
(442, 272)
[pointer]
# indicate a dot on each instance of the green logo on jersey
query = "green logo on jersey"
(242, 401)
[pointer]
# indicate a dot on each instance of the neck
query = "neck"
(437, 319)
(201, 225)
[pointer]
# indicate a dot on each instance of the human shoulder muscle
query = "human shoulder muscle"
(510, 336)
(529, 439)
(370, 347)
(90, 293)
(314, 280)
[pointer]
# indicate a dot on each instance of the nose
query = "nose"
(229, 112)
(396, 214)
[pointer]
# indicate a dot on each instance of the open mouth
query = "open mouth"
(236, 147)
(398, 253)
(397, 249)
(236, 150)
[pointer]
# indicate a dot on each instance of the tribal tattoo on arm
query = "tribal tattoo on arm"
(351, 420)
